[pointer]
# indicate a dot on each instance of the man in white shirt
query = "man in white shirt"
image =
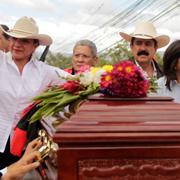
(22, 76)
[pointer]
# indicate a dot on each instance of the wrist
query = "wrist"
(3, 173)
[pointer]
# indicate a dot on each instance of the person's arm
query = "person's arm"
(25, 164)
(21, 167)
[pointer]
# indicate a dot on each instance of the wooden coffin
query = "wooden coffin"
(120, 139)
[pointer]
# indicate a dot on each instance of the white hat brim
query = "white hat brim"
(162, 40)
(43, 38)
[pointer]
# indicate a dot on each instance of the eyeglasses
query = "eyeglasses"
(23, 40)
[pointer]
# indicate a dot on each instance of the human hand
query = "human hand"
(17, 170)
(33, 146)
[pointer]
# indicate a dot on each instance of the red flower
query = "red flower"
(71, 86)
(127, 80)
(106, 80)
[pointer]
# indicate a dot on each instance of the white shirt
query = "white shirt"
(164, 91)
(2, 55)
(18, 90)
(145, 73)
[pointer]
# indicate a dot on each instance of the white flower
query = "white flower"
(97, 77)
(86, 78)
(89, 77)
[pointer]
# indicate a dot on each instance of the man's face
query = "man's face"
(143, 50)
(82, 55)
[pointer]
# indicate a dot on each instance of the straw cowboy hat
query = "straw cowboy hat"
(26, 27)
(146, 30)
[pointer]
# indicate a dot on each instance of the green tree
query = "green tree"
(58, 60)
(119, 52)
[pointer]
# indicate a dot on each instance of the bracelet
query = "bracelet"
(3, 171)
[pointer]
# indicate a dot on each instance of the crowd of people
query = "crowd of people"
(23, 76)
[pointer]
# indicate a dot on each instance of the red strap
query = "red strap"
(18, 142)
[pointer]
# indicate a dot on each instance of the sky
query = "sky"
(68, 21)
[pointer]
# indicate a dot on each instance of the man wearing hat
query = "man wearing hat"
(22, 77)
(144, 43)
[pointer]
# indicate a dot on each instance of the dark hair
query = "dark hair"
(133, 38)
(5, 28)
(170, 61)
(36, 41)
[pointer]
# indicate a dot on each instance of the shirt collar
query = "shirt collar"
(145, 73)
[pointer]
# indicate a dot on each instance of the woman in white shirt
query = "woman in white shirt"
(169, 84)
(22, 76)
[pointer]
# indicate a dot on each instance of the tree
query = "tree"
(58, 60)
(119, 52)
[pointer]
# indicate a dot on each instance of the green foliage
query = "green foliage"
(56, 98)
(159, 59)
(153, 85)
(58, 60)
(119, 52)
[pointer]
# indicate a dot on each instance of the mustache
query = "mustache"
(143, 53)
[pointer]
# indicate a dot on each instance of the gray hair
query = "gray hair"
(86, 42)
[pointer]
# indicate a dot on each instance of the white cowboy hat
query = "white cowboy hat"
(26, 28)
(146, 30)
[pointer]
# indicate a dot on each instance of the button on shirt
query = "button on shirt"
(17, 90)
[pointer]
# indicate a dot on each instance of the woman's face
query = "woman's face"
(22, 49)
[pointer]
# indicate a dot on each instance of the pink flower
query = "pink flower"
(84, 69)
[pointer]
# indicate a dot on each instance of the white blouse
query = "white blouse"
(17, 90)
(163, 91)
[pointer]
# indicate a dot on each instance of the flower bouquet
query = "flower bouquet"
(123, 79)
(57, 98)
